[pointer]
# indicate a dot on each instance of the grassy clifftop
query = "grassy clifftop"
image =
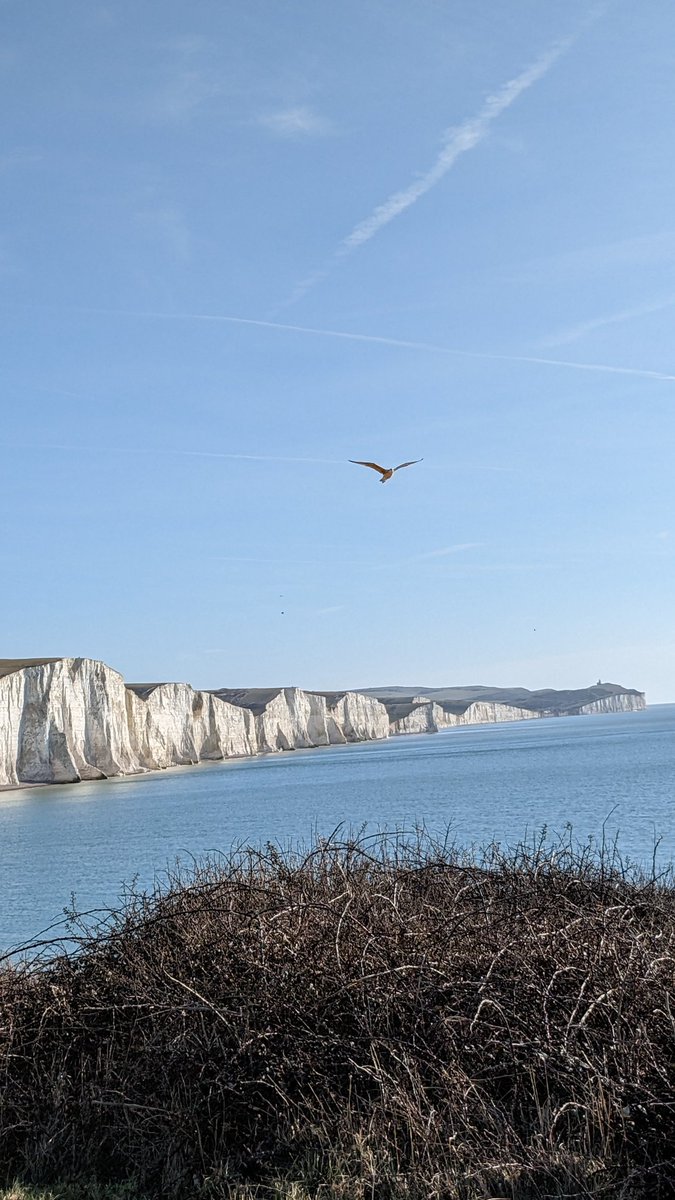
(458, 699)
(373, 1019)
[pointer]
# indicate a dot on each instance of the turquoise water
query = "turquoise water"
(482, 783)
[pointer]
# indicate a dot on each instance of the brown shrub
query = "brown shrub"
(375, 1018)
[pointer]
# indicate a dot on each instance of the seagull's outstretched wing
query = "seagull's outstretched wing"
(376, 467)
(408, 464)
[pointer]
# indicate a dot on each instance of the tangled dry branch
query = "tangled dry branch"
(374, 1018)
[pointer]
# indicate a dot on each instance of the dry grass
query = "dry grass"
(73, 1191)
(374, 1019)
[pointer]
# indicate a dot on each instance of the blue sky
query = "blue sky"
(242, 243)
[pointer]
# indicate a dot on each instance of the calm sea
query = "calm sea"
(490, 782)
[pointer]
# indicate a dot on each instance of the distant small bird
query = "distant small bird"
(385, 472)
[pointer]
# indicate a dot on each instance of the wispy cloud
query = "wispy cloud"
(167, 225)
(441, 552)
(186, 80)
(598, 259)
(102, 14)
(428, 347)
(20, 158)
(8, 57)
(179, 96)
(489, 568)
(576, 332)
(295, 123)
(282, 562)
(444, 551)
(465, 570)
(8, 263)
(189, 45)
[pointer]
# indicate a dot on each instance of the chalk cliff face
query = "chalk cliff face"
(73, 718)
(63, 720)
(356, 718)
(69, 719)
(12, 690)
(484, 712)
(626, 702)
(547, 702)
(424, 717)
(289, 719)
(294, 720)
(171, 724)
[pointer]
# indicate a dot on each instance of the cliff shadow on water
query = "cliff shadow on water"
(380, 1016)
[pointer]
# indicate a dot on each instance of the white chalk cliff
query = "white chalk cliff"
(423, 715)
(629, 702)
(486, 712)
(290, 719)
(68, 719)
(171, 724)
(64, 720)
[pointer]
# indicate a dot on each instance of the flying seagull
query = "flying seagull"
(385, 472)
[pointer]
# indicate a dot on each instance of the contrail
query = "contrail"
(429, 347)
(145, 450)
(457, 141)
(402, 343)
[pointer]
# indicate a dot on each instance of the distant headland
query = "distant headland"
(63, 720)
